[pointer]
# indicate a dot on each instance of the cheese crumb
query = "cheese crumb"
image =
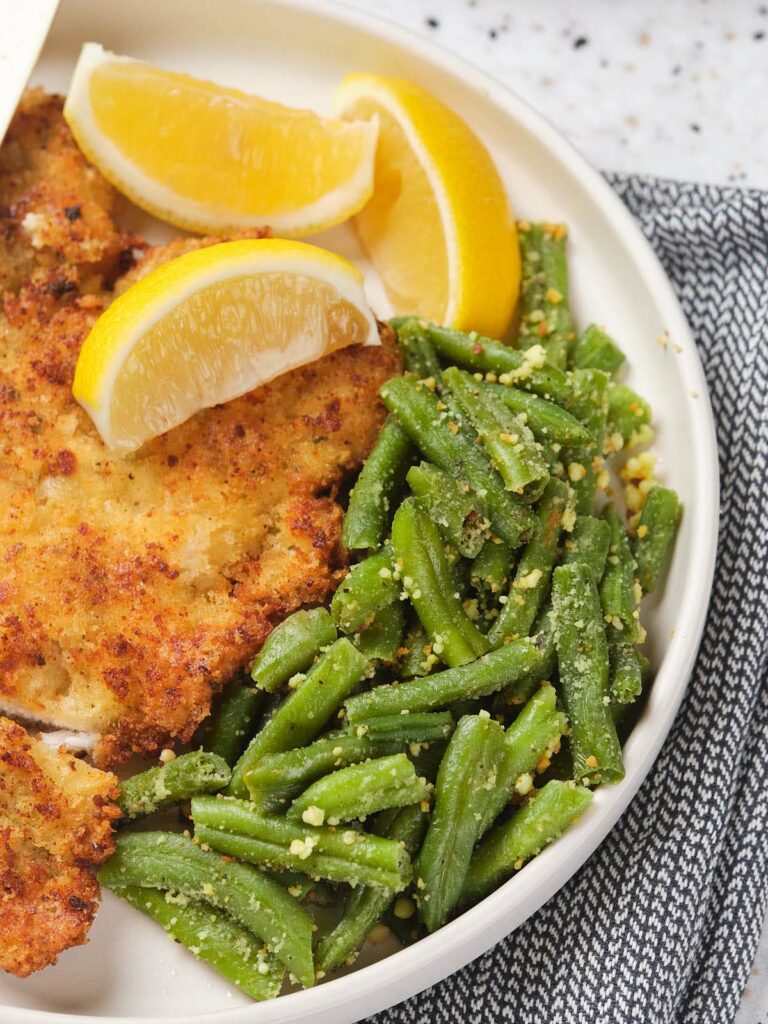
(313, 815)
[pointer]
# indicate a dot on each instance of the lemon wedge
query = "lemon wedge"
(212, 159)
(212, 325)
(438, 227)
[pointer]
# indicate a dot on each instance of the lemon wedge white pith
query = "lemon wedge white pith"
(438, 226)
(214, 159)
(212, 325)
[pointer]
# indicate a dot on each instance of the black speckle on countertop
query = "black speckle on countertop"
(677, 69)
(433, 22)
(695, 128)
(758, 36)
(580, 41)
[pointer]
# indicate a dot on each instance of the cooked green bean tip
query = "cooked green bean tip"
(596, 349)
(233, 721)
(582, 654)
(419, 356)
(628, 417)
(460, 514)
(374, 496)
(427, 581)
(165, 785)
(654, 534)
(381, 640)
(355, 792)
(545, 316)
(291, 647)
(509, 444)
(370, 585)
(548, 813)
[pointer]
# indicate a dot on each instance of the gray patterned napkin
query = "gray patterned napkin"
(676, 894)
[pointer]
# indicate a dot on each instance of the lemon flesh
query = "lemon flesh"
(438, 226)
(214, 159)
(210, 326)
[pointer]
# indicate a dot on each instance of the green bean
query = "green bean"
(305, 889)
(426, 420)
(490, 570)
(545, 314)
(213, 937)
(531, 739)
(418, 352)
(426, 576)
(365, 590)
(509, 444)
(168, 784)
(359, 790)
(276, 779)
(373, 498)
(417, 658)
(582, 654)
(423, 727)
(549, 423)
(291, 647)
(654, 534)
(236, 828)
(626, 677)
(302, 715)
(590, 404)
(588, 544)
(524, 686)
(367, 904)
(597, 349)
(234, 721)
(545, 817)
(380, 641)
(617, 588)
(164, 860)
(628, 413)
(530, 585)
(527, 370)
(479, 678)
(462, 795)
(460, 514)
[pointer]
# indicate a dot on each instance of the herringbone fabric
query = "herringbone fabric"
(662, 923)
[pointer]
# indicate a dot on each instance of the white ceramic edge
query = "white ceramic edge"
(431, 959)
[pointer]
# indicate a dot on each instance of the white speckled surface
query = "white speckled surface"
(668, 88)
(676, 89)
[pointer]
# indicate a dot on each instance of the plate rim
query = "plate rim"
(407, 971)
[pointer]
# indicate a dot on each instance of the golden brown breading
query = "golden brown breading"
(132, 588)
(55, 208)
(55, 824)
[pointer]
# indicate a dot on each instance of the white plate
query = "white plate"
(295, 52)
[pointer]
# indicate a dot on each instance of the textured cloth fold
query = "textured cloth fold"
(676, 895)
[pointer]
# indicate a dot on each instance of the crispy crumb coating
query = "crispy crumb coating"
(132, 588)
(55, 208)
(55, 825)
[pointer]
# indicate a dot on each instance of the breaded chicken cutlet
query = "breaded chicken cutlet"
(55, 208)
(133, 588)
(56, 814)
